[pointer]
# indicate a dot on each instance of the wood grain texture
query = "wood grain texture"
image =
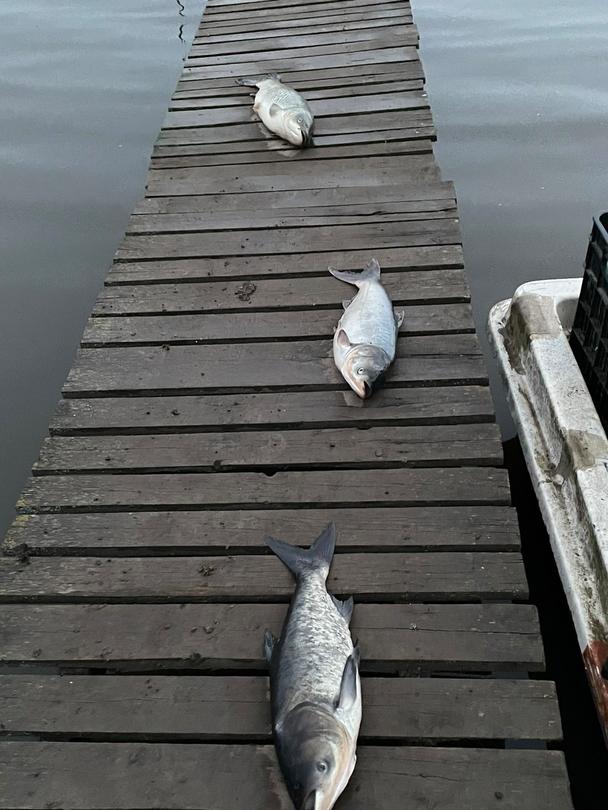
(404, 487)
(253, 366)
(244, 531)
(410, 638)
(154, 777)
(302, 409)
(238, 708)
(246, 328)
(347, 448)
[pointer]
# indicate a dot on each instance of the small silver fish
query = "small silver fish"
(282, 109)
(314, 681)
(365, 339)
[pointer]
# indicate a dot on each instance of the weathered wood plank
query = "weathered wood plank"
(308, 42)
(306, 174)
(397, 406)
(375, 529)
(338, 53)
(237, 708)
(328, 77)
(412, 123)
(403, 487)
(457, 445)
(318, 62)
(295, 265)
(266, 28)
(312, 12)
(447, 577)
(407, 198)
(242, 96)
(379, 148)
(265, 219)
(393, 638)
(174, 329)
(299, 365)
(199, 777)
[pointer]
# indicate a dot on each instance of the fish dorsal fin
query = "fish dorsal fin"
(274, 109)
(342, 340)
(269, 643)
(348, 687)
(399, 317)
(344, 608)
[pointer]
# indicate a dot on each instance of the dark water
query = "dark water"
(520, 98)
(84, 86)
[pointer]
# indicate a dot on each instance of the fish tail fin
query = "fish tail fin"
(274, 76)
(247, 82)
(370, 273)
(315, 559)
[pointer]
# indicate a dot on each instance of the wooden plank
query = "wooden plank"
(352, 448)
(310, 11)
(242, 96)
(346, 105)
(416, 123)
(397, 406)
(299, 365)
(309, 42)
(201, 329)
(253, 242)
(305, 174)
(459, 576)
(266, 28)
(294, 265)
(373, 149)
(280, 65)
(329, 77)
(309, 7)
(237, 708)
(338, 52)
(325, 294)
(403, 487)
(280, 18)
(375, 529)
(393, 638)
(408, 198)
(154, 776)
(265, 219)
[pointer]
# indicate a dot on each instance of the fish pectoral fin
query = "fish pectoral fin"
(274, 109)
(269, 644)
(342, 340)
(399, 317)
(346, 302)
(344, 608)
(348, 687)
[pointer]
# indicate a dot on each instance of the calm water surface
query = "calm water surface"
(520, 99)
(518, 92)
(84, 87)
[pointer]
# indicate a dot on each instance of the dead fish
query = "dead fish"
(314, 681)
(282, 109)
(365, 340)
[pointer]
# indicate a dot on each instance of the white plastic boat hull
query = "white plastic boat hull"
(566, 451)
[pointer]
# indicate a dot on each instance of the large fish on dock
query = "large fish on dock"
(365, 340)
(314, 681)
(282, 109)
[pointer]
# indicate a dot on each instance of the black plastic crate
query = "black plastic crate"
(589, 337)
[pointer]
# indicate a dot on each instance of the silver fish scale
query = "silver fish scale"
(274, 92)
(314, 648)
(370, 318)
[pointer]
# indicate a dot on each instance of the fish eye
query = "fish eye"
(322, 766)
(360, 370)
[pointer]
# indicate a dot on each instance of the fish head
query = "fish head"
(364, 367)
(299, 125)
(317, 756)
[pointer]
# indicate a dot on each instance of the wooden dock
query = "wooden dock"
(204, 412)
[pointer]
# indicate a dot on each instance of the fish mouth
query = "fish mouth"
(306, 138)
(310, 802)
